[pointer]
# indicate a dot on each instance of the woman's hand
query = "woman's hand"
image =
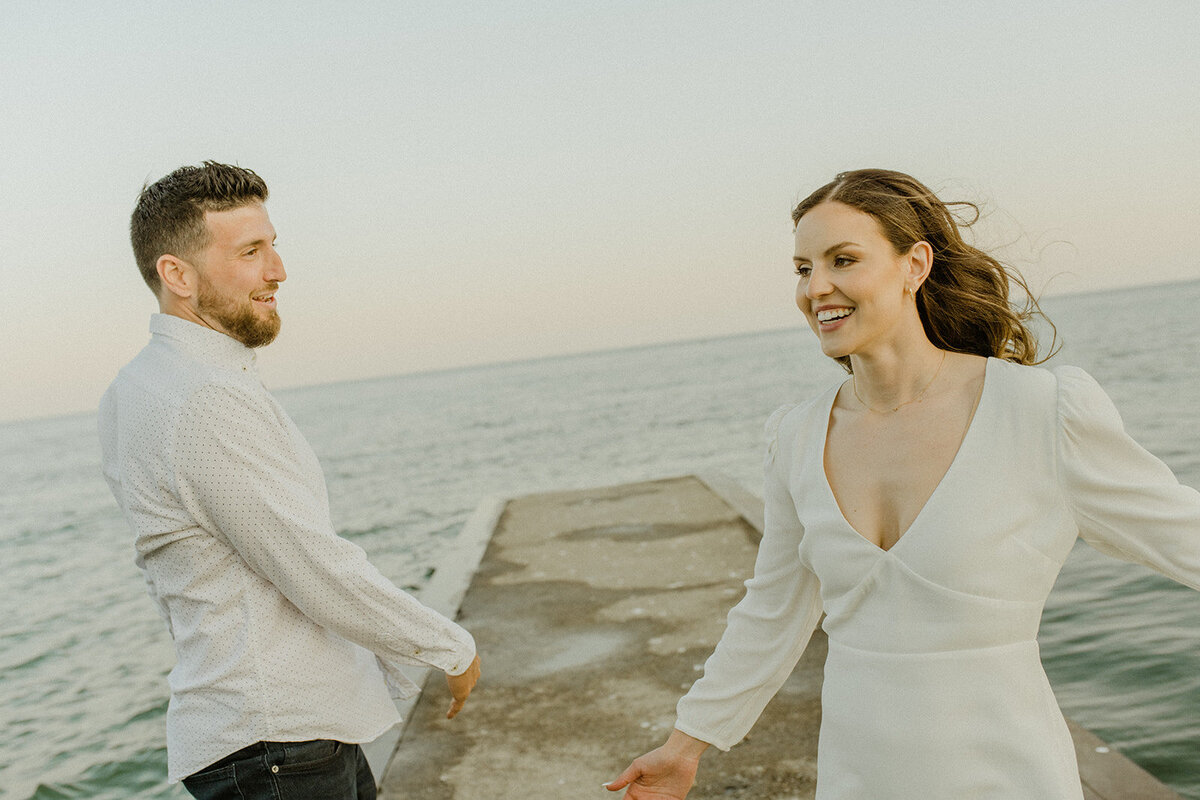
(663, 774)
(461, 686)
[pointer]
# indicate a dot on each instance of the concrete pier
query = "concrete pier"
(593, 611)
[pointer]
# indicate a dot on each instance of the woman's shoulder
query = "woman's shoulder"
(1057, 378)
(1070, 390)
(1034, 381)
(791, 418)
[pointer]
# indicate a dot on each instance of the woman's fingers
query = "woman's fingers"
(627, 777)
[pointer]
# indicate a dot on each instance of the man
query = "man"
(286, 638)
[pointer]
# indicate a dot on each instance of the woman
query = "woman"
(926, 506)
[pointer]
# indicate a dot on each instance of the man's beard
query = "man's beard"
(238, 319)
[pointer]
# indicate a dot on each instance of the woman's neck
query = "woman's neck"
(887, 381)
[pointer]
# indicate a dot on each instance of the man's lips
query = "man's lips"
(266, 298)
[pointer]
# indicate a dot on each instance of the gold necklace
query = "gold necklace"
(919, 395)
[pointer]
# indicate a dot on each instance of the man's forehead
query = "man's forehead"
(249, 223)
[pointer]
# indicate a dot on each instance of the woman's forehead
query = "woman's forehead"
(831, 223)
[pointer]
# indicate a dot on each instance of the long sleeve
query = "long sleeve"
(247, 476)
(1126, 502)
(767, 631)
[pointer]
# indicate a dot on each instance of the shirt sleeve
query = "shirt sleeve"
(767, 631)
(1126, 502)
(245, 474)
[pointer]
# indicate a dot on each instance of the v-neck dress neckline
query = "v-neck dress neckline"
(963, 445)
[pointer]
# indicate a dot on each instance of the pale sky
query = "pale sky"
(458, 183)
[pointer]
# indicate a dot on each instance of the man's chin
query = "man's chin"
(264, 335)
(241, 322)
(255, 332)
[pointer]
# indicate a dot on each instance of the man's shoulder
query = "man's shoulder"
(163, 380)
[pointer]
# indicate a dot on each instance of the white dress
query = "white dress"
(933, 684)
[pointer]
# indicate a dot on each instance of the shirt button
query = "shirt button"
(274, 768)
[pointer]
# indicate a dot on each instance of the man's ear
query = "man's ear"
(178, 277)
(920, 261)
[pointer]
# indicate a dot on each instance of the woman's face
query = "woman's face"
(852, 282)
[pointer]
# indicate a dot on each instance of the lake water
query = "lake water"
(83, 655)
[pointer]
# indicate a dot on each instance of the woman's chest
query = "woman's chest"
(986, 514)
(882, 471)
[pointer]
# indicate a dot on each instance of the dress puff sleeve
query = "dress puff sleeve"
(1126, 502)
(768, 630)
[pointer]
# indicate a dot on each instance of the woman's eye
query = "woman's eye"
(803, 270)
(843, 261)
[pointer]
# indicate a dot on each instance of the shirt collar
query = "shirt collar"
(204, 344)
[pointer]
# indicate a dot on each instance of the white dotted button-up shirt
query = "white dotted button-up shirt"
(283, 630)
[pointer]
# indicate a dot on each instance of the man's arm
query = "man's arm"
(247, 476)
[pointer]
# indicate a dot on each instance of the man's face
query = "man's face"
(239, 272)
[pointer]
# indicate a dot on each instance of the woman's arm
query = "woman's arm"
(1126, 502)
(769, 629)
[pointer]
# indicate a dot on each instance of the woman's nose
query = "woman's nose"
(818, 284)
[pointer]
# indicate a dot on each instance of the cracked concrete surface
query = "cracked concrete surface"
(593, 611)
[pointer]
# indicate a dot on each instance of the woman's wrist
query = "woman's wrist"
(681, 744)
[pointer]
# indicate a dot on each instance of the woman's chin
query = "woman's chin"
(834, 349)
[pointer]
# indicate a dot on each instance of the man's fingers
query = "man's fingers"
(455, 707)
(461, 686)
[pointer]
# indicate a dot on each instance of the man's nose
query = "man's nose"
(275, 271)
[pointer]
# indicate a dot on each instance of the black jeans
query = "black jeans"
(318, 770)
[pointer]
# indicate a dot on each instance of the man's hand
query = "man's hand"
(663, 774)
(461, 686)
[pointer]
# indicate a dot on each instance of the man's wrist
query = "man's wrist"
(461, 666)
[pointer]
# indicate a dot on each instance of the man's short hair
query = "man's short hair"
(169, 216)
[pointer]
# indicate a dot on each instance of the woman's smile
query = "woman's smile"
(831, 318)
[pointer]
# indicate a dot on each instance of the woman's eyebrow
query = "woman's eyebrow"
(829, 250)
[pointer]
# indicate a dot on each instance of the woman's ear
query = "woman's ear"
(920, 261)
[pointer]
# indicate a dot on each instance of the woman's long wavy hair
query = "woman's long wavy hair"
(964, 302)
